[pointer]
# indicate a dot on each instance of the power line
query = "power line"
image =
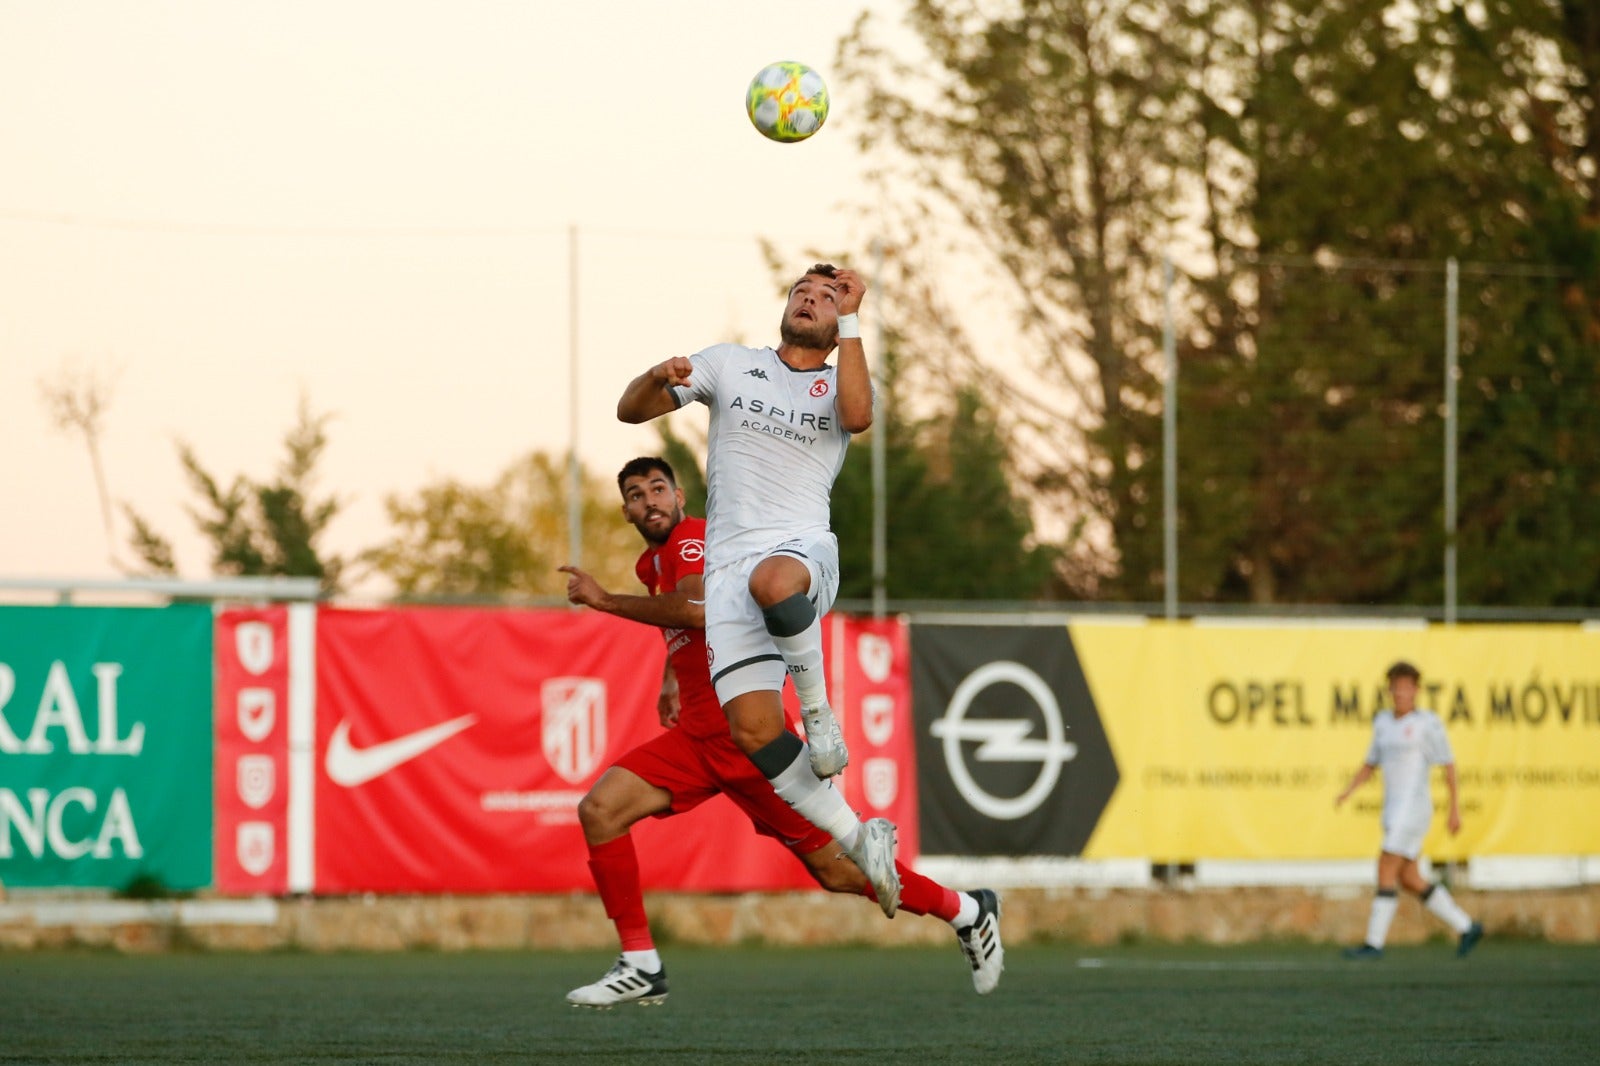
(247, 229)
(250, 229)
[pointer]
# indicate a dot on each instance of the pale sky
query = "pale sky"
(220, 204)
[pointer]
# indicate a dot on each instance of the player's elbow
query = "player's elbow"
(856, 421)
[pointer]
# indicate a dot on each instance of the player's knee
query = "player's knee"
(750, 737)
(771, 585)
(596, 815)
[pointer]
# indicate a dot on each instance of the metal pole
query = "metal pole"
(880, 433)
(1169, 443)
(574, 472)
(1452, 305)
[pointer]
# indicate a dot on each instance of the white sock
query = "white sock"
(1383, 908)
(648, 961)
(802, 654)
(968, 912)
(1441, 902)
(817, 801)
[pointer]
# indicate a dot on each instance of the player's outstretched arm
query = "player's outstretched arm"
(675, 610)
(648, 395)
(855, 380)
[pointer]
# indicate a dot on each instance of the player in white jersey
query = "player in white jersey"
(1407, 743)
(780, 423)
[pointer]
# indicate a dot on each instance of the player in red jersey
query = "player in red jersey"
(695, 759)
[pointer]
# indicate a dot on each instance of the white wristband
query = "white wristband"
(849, 327)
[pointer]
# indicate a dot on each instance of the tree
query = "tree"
(258, 528)
(1047, 130)
(956, 529)
(458, 540)
(1310, 165)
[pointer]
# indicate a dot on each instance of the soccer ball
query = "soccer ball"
(787, 101)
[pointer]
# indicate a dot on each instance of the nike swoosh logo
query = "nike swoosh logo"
(350, 766)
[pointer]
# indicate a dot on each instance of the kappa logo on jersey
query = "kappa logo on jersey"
(757, 372)
(819, 388)
(573, 727)
(692, 551)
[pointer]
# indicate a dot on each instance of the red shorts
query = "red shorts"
(694, 769)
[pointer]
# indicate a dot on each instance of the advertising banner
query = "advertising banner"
(454, 745)
(1233, 741)
(1012, 755)
(869, 684)
(105, 746)
(252, 750)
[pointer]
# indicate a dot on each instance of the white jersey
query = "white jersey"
(773, 450)
(1405, 749)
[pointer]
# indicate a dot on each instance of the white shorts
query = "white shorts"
(742, 654)
(1405, 837)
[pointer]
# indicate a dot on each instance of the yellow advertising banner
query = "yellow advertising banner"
(1232, 740)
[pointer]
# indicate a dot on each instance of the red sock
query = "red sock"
(923, 895)
(615, 866)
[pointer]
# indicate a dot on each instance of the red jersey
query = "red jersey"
(660, 569)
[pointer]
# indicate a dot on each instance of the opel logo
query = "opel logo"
(1004, 740)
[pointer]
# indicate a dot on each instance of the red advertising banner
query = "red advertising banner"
(251, 751)
(453, 747)
(869, 681)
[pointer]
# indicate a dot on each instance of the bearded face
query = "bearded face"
(811, 318)
(808, 332)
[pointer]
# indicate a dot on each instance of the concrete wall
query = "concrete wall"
(1087, 916)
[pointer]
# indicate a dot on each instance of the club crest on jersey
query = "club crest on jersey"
(819, 388)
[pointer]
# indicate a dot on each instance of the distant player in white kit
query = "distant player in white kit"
(1406, 743)
(780, 423)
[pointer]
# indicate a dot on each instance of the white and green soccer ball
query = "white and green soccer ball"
(787, 101)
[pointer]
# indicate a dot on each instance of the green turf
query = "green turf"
(1509, 1003)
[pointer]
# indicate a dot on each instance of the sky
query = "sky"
(218, 207)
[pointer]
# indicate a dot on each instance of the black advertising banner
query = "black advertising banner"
(1011, 754)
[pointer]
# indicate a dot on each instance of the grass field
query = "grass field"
(1509, 1003)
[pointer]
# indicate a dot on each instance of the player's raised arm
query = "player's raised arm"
(855, 381)
(650, 394)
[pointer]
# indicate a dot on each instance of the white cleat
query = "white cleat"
(874, 853)
(826, 741)
(623, 983)
(980, 942)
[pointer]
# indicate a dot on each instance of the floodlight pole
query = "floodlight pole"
(1169, 444)
(880, 432)
(574, 472)
(1452, 307)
